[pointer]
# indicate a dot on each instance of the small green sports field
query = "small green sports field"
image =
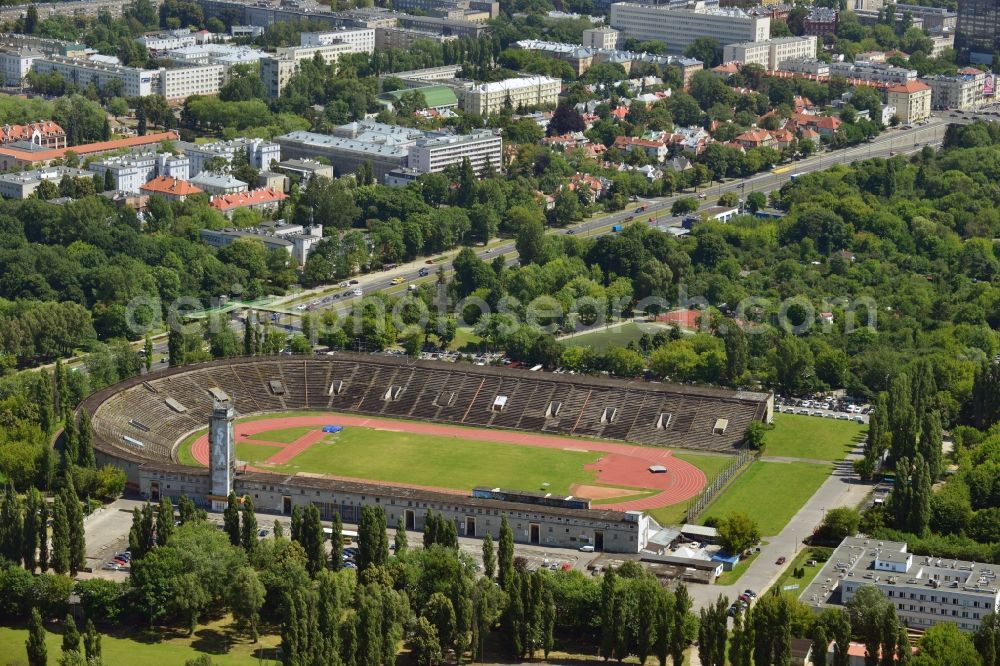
(811, 437)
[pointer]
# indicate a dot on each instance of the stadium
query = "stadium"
(557, 454)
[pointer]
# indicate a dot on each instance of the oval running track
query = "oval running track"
(624, 464)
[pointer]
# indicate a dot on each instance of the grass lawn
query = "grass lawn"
(710, 464)
(281, 436)
(798, 436)
(618, 336)
(161, 648)
(465, 340)
(450, 462)
(821, 555)
(184, 455)
(253, 453)
(770, 493)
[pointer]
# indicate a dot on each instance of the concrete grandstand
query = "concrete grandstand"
(139, 423)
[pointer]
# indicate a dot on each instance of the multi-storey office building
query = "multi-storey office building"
(678, 24)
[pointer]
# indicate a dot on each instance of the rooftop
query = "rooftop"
(264, 195)
(168, 185)
(909, 87)
(515, 84)
(88, 148)
(223, 180)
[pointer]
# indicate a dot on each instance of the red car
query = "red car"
(781, 560)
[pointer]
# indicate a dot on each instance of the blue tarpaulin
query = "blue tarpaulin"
(332, 428)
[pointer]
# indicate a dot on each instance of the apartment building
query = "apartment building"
(219, 183)
(601, 38)
(171, 189)
(172, 39)
(295, 239)
(821, 21)
(964, 91)
(42, 134)
(678, 24)
(912, 101)
(391, 148)
(810, 66)
(173, 84)
(925, 590)
(518, 93)
(770, 53)
(483, 149)
(361, 40)
(278, 69)
(444, 26)
(226, 55)
(260, 153)
(877, 72)
(15, 65)
(183, 82)
(23, 184)
(405, 38)
(131, 172)
(977, 32)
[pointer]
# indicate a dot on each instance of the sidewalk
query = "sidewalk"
(843, 488)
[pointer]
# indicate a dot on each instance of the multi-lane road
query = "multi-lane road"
(892, 142)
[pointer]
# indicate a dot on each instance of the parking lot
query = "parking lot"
(824, 408)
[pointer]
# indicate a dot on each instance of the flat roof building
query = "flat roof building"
(259, 153)
(21, 185)
(131, 172)
(924, 590)
(392, 147)
(219, 183)
(770, 53)
(678, 24)
(518, 93)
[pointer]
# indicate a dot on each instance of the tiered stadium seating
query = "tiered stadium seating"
(366, 380)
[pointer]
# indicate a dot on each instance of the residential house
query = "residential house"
(912, 101)
(755, 138)
(263, 199)
(657, 150)
(171, 189)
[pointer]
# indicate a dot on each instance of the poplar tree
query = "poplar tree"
(489, 558)
(71, 635)
(679, 638)
(11, 526)
(930, 443)
(37, 652)
(296, 524)
(141, 536)
(45, 400)
(85, 442)
(164, 522)
(74, 519)
(92, 643)
(231, 519)
(505, 553)
(60, 537)
(373, 543)
(337, 544)
(248, 530)
(312, 541)
(33, 530)
(399, 539)
(43, 539)
(70, 440)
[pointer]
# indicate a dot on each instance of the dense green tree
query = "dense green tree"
(505, 553)
(373, 541)
(336, 544)
(37, 652)
(164, 521)
(489, 557)
(312, 540)
(248, 527)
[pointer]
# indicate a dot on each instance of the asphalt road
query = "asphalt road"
(891, 142)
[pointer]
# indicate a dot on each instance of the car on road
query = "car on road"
(781, 560)
(586, 549)
(355, 282)
(571, 231)
(422, 272)
(343, 284)
(357, 292)
(750, 593)
(702, 196)
(397, 280)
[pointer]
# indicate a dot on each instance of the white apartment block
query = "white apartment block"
(183, 82)
(488, 98)
(925, 590)
(260, 153)
(482, 148)
(167, 41)
(362, 40)
(956, 92)
(813, 66)
(770, 53)
(80, 72)
(15, 65)
(131, 172)
(879, 72)
(276, 70)
(215, 54)
(23, 184)
(600, 38)
(174, 84)
(678, 24)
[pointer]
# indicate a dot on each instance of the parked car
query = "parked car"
(586, 549)
(781, 560)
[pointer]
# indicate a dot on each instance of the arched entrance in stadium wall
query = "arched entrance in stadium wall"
(154, 491)
(598, 540)
(409, 520)
(470, 526)
(286, 505)
(534, 533)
